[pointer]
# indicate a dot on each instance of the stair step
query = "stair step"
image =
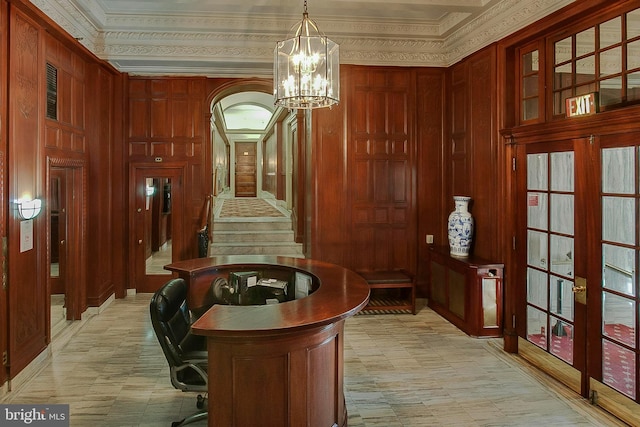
(254, 236)
(245, 225)
(251, 248)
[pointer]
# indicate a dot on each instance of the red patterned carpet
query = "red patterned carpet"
(618, 364)
(247, 208)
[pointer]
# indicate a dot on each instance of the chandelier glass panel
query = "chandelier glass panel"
(306, 69)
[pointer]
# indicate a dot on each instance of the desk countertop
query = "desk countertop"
(341, 294)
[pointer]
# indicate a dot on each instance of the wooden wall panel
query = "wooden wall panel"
(484, 167)
(329, 239)
(4, 49)
(161, 119)
(51, 136)
(78, 97)
(138, 119)
(104, 164)
(71, 154)
(459, 140)
(35, 143)
(471, 164)
(431, 124)
(380, 168)
(27, 286)
(64, 92)
(168, 119)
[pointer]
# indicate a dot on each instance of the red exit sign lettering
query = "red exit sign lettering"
(582, 105)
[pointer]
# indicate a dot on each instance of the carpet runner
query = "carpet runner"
(618, 364)
(248, 208)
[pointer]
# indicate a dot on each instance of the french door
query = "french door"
(578, 308)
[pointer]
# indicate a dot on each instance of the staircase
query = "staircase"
(254, 236)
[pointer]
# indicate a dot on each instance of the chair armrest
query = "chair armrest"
(198, 367)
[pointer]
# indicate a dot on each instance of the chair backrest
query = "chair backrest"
(171, 320)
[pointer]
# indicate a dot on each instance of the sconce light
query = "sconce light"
(28, 209)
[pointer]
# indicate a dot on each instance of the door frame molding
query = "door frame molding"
(169, 169)
(76, 283)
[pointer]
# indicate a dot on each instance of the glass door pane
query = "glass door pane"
(550, 252)
(619, 338)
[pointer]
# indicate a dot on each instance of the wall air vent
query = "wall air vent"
(52, 92)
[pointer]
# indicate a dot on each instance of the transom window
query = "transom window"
(603, 59)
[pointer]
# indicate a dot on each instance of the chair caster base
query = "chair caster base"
(198, 416)
(200, 402)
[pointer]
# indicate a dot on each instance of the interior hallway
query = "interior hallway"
(400, 370)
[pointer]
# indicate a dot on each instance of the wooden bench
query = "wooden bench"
(396, 279)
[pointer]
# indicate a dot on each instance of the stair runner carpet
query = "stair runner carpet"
(248, 208)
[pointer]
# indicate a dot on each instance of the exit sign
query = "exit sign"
(582, 105)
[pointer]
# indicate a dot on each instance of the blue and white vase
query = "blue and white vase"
(460, 228)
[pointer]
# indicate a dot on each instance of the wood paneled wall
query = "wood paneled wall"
(106, 266)
(431, 181)
(381, 162)
(364, 181)
(84, 140)
(169, 121)
(65, 146)
(4, 307)
(27, 285)
(471, 160)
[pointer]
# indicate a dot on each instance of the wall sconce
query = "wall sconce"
(28, 209)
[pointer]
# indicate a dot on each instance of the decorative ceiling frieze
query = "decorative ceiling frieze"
(158, 43)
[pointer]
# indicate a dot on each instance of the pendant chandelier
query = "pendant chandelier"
(306, 68)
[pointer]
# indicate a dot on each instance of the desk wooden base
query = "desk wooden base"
(293, 379)
(281, 364)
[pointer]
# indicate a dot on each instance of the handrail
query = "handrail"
(205, 216)
(204, 234)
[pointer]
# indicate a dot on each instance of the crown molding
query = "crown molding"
(501, 20)
(194, 48)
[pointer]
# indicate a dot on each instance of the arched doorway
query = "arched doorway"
(246, 125)
(243, 114)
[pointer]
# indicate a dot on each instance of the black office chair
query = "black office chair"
(185, 352)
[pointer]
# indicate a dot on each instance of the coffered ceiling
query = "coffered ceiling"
(235, 38)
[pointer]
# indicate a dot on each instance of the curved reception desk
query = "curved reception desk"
(275, 336)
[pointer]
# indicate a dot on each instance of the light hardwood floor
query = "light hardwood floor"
(400, 370)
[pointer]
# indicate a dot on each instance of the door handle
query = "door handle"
(580, 290)
(140, 241)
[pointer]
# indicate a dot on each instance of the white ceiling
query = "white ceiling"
(236, 38)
